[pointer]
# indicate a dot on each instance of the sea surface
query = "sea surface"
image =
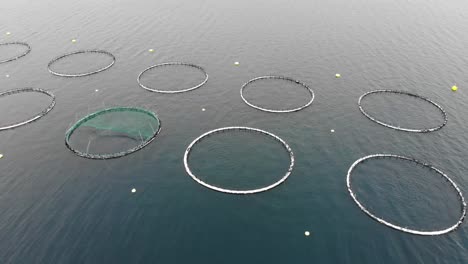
(57, 207)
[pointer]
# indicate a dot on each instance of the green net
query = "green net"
(112, 132)
(132, 124)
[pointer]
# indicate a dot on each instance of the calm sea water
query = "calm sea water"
(60, 208)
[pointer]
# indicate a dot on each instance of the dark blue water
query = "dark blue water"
(60, 208)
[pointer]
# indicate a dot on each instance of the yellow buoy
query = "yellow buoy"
(307, 233)
(236, 63)
(151, 50)
(1, 156)
(454, 88)
(337, 75)
(73, 40)
(8, 33)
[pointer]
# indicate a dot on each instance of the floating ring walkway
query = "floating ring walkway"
(277, 110)
(70, 131)
(444, 114)
(81, 74)
(249, 129)
(400, 228)
(17, 56)
(35, 117)
(172, 64)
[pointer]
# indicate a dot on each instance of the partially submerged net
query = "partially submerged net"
(377, 120)
(35, 116)
(416, 198)
(167, 64)
(288, 110)
(15, 57)
(284, 145)
(62, 74)
(113, 132)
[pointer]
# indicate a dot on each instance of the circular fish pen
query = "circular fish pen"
(81, 52)
(28, 49)
(402, 228)
(424, 130)
(172, 64)
(130, 123)
(36, 116)
(247, 129)
(310, 91)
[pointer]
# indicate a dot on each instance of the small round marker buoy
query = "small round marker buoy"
(203, 109)
(133, 190)
(8, 33)
(454, 88)
(73, 40)
(236, 63)
(8, 76)
(97, 90)
(333, 130)
(307, 233)
(337, 75)
(151, 50)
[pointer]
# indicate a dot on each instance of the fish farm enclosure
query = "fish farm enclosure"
(234, 131)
